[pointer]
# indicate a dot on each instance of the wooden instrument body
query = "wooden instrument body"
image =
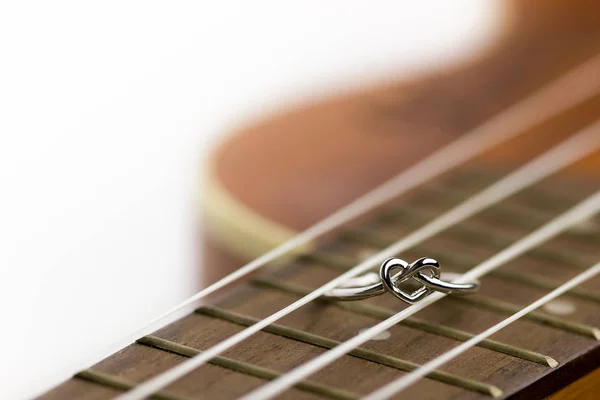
(281, 175)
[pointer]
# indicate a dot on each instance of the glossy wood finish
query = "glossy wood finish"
(338, 149)
(584, 389)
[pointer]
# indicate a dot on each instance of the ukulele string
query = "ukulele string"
(400, 384)
(567, 152)
(572, 88)
(581, 211)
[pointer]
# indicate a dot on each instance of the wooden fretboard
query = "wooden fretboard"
(536, 355)
(531, 358)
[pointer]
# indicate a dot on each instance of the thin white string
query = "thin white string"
(564, 154)
(398, 385)
(583, 210)
(576, 86)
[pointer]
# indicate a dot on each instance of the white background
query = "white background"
(106, 110)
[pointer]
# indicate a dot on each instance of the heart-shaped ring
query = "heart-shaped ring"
(394, 272)
(407, 271)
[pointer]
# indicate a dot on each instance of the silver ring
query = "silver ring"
(394, 272)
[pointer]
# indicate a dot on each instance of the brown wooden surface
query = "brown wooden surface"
(327, 154)
(336, 150)
(511, 374)
(584, 389)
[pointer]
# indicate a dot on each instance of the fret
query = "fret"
(121, 384)
(246, 368)
(456, 261)
(428, 201)
(426, 204)
(545, 255)
(422, 210)
(499, 241)
(517, 363)
(463, 264)
(316, 340)
(463, 233)
(525, 219)
(540, 318)
(467, 233)
(276, 352)
(505, 307)
(545, 284)
(533, 205)
(471, 180)
(463, 378)
(341, 261)
(412, 322)
(208, 382)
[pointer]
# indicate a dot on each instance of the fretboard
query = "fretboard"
(532, 357)
(540, 353)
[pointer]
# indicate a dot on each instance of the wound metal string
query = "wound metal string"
(398, 385)
(583, 210)
(583, 143)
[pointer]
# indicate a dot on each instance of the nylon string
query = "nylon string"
(576, 86)
(398, 385)
(583, 210)
(565, 153)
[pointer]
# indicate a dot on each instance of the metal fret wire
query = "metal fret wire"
(407, 380)
(470, 233)
(531, 217)
(586, 208)
(480, 301)
(462, 262)
(359, 352)
(572, 88)
(383, 313)
(320, 389)
(572, 149)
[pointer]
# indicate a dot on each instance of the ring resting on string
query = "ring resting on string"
(425, 272)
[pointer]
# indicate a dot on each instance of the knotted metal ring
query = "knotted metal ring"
(395, 272)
